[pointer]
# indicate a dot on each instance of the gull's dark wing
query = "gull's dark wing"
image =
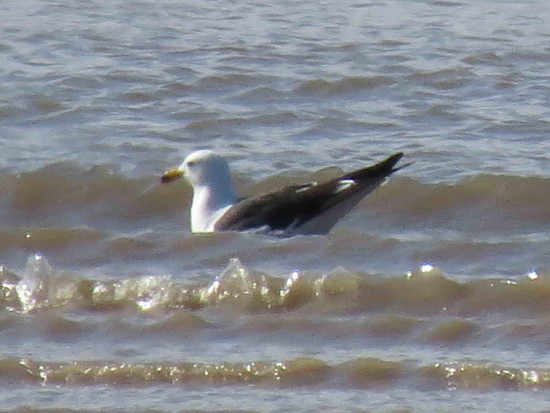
(295, 206)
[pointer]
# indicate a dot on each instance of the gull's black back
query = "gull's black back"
(292, 207)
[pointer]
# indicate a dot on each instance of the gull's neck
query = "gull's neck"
(210, 202)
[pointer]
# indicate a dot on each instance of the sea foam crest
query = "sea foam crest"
(235, 281)
(33, 288)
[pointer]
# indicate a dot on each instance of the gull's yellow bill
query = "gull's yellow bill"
(171, 175)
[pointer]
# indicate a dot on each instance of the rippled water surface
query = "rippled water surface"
(431, 295)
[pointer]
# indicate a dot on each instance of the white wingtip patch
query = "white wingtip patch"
(344, 184)
(306, 187)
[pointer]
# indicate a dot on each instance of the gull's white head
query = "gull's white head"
(206, 168)
(213, 190)
(202, 168)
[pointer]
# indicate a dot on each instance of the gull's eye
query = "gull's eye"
(190, 164)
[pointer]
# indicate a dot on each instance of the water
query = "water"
(432, 295)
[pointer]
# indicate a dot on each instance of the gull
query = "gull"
(308, 209)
